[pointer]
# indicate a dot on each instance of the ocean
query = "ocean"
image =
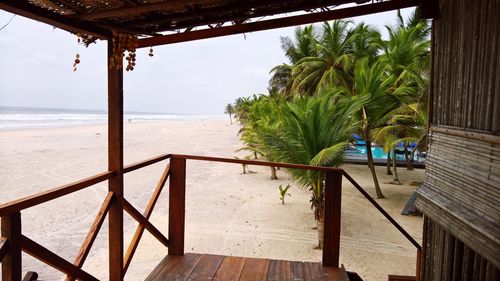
(26, 117)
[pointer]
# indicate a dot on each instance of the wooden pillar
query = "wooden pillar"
(177, 206)
(333, 195)
(115, 163)
(12, 264)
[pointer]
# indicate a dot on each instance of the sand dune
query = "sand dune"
(227, 212)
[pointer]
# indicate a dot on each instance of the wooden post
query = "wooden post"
(115, 163)
(333, 195)
(12, 264)
(419, 263)
(177, 205)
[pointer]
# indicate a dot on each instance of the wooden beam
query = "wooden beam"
(42, 197)
(382, 211)
(177, 206)
(92, 234)
(30, 276)
(129, 254)
(4, 247)
(277, 23)
(233, 12)
(179, 6)
(12, 262)
(41, 253)
(429, 9)
(25, 9)
(332, 211)
(141, 164)
(172, 5)
(144, 222)
(115, 164)
(257, 163)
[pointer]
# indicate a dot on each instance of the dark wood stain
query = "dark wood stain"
(198, 267)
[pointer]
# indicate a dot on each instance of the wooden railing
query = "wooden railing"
(13, 242)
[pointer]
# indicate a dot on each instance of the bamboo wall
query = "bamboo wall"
(448, 258)
(466, 77)
(460, 197)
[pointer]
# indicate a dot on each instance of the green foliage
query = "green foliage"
(311, 131)
(340, 78)
(284, 192)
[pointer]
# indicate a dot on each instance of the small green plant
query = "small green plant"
(284, 192)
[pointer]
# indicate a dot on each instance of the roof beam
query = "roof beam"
(172, 5)
(214, 15)
(278, 23)
(183, 6)
(25, 9)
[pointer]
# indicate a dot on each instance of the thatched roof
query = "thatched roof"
(100, 18)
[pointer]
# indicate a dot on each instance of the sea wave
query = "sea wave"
(36, 120)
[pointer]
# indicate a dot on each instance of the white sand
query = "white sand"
(227, 212)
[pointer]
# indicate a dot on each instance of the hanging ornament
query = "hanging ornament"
(77, 61)
(124, 43)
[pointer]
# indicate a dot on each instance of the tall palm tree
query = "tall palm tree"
(229, 109)
(300, 47)
(373, 89)
(311, 131)
(338, 48)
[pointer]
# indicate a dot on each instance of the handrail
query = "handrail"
(147, 162)
(51, 194)
(257, 163)
(4, 247)
(381, 210)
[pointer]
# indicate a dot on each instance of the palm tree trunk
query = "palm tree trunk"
(371, 165)
(388, 164)
(230, 118)
(407, 159)
(394, 165)
(274, 176)
(320, 223)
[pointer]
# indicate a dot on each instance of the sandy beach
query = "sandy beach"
(228, 212)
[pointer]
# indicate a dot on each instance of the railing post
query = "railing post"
(115, 164)
(333, 195)
(12, 264)
(419, 264)
(177, 205)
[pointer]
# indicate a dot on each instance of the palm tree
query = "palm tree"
(338, 48)
(261, 115)
(373, 89)
(229, 109)
(311, 131)
(302, 46)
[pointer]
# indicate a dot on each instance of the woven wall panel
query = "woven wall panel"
(466, 65)
(462, 189)
(447, 258)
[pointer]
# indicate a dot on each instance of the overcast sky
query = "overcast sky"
(187, 78)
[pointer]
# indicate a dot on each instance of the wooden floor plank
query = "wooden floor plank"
(196, 267)
(174, 268)
(230, 269)
(254, 270)
(300, 271)
(206, 268)
(314, 271)
(279, 271)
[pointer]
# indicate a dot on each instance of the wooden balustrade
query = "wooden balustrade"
(13, 242)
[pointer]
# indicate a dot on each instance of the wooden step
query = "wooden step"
(195, 267)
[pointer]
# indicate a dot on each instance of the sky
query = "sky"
(198, 77)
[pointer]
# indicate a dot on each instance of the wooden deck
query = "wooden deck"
(194, 267)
